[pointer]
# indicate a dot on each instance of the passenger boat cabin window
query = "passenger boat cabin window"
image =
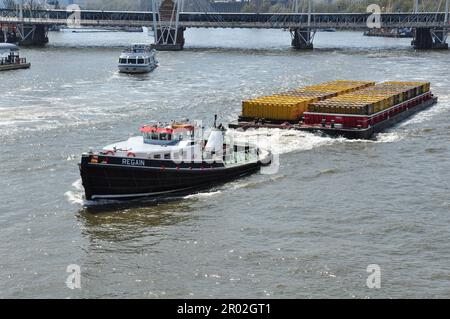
(122, 61)
(131, 61)
(167, 156)
(157, 156)
(140, 61)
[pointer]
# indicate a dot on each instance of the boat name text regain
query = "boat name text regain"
(133, 162)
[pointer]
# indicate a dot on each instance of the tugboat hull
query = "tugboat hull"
(106, 177)
(8, 67)
(136, 69)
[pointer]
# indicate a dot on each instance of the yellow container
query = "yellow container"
(345, 96)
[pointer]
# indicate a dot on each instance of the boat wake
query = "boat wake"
(75, 196)
(428, 115)
(280, 141)
(389, 137)
(202, 195)
(253, 183)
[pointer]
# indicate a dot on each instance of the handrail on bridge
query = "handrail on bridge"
(278, 20)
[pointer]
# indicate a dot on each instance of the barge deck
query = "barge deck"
(8, 67)
(350, 133)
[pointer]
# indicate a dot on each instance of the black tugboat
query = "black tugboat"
(167, 159)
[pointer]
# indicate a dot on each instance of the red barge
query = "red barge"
(328, 115)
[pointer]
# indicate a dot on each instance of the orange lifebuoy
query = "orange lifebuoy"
(182, 126)
(131, 154)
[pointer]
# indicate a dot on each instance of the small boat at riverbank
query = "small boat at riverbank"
(10, 58)
(390, 33)
(97, 29)
(139, 58)
(170, 159)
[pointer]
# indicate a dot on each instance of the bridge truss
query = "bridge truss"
(169, 19)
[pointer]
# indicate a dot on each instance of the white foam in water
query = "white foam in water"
(390, 137)
(78, 185)
(202, 195)
(281, 141)
(75, 196)
(428, 114)
(46, 116)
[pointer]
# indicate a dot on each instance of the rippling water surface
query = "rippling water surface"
(309, 231)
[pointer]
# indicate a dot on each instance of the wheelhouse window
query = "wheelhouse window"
(131, 61)
(157, 135)
(165, 136)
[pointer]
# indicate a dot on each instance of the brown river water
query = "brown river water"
(309, 231)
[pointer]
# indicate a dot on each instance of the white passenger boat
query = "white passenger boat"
(140, 58)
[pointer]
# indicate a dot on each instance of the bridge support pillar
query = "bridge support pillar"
(427, 39)
(302, 39)
(169, 35)
(169, 39)
(33, 35)
(439, 39)
(8, 34)
(4, 35)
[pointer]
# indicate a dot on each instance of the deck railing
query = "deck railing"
(9, 61)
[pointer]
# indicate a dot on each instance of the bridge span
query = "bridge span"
(170, 23)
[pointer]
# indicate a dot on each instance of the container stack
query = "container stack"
(290, 106)
(370, 100)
